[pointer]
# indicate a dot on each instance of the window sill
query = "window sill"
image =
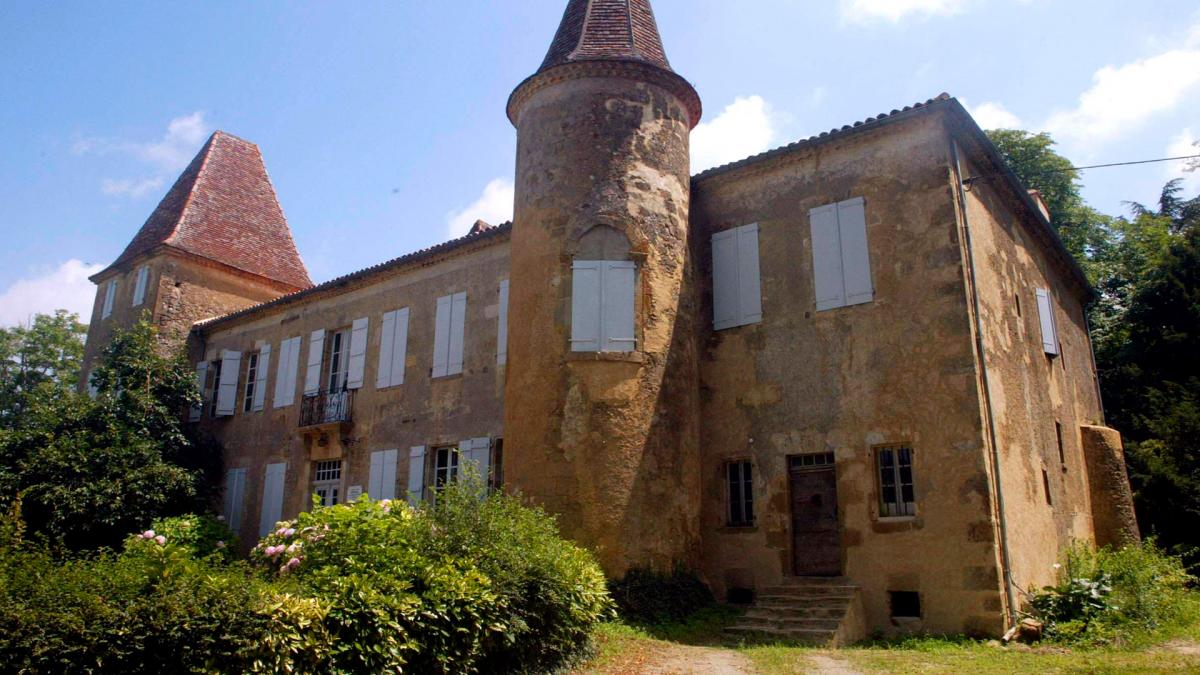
(739, 529)
(443, 378)
(895, 519)
(621, 357)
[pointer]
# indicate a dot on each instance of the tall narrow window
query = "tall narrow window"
(1048, 322)
(603, 283)
(841, 259)
(1062, 451)
(445, 467)
(449, 335)
(139, 289)
(110, 295)
(251, 382)
(214, 386)
(1046, 487)
(737, 288)
(496, 478)
(327, 481)
(896, 495)
(739, 478)
(338, 361)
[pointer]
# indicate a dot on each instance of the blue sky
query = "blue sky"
(383, 126)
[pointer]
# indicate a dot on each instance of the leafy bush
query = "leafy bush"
(1111, 595)
(647, 596)
(475, 582)
(202, 535)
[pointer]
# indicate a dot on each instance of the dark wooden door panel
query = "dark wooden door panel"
(816, 541)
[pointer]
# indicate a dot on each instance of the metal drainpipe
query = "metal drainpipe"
(987, 390)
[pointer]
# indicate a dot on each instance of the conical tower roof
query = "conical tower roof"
(605, 30)
(224, 208)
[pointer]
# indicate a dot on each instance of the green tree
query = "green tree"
(1085, 231)
(48, 352)
(91, 471)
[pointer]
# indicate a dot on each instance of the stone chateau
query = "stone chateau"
(854, 370)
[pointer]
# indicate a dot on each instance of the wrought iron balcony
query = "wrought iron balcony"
(327, 407)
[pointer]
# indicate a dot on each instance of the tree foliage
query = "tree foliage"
(46, 353)
(89, 471)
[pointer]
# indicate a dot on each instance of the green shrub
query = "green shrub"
(476, 582)
(202, 535)
(1111, 595)
(651, 597)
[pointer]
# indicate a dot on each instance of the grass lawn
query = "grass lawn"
(629, 649)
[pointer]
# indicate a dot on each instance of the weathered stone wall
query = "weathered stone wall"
(900, 369)
(1030, 391)
(179, 292)
(1112, 499)
(608, 442)
(422, 411)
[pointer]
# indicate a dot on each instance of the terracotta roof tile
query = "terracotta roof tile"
(598, 30)
(224, 208)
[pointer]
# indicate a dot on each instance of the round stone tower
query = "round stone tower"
(601, 396)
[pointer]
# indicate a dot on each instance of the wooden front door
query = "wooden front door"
(816, 540)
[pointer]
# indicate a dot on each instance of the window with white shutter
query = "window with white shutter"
(1049, 323)
(393, 349)
(841, 257)
(381, 483)
(416, 474)
(737, 286)
(110, 295)
(139, 289)
(449, 335)
(316, 350)
(285, 375)
(358, 353)
(251, 386)
(260, 387)
(502, 326)
(602, 306)
(235, 494)
(227, 383)
(272, 498)
(477, 451)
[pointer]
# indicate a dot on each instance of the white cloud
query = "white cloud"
(744, 128)
(131, 187)
(1182, 145)
(163, 157)
(866, 11)
(66, 287)
(495, 206)
(1123, 97)
(992, 115)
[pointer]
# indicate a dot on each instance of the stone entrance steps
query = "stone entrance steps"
(823, 611)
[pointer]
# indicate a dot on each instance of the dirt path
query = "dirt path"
(827, 664)
(685, 660)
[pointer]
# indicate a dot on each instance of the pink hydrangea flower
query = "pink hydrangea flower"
(294, 547)
(162, 541)
(148, 534)
(290, 532)
(281, 531)
(293, 563)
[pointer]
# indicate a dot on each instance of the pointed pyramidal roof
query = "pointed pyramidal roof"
(223, 208)
(607, 30)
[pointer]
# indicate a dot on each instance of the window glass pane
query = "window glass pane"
(735, 493)
(748, 492)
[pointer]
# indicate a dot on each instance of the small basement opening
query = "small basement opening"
(905, 604)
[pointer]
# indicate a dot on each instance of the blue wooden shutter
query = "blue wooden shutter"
(356, 370)
(725, 279)
(272, 498)
(387, 335)
(1048, 323)
(856, 256)
(441, 337)
(458, 335)
(260, 384)
(235, 490)
(749, 283)
(617, 296)
(502, 326)
(227, 387)
(585, 306)
(828, 283)
(416, 474)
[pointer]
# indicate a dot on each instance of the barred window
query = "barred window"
(895, 481)
(739, 477)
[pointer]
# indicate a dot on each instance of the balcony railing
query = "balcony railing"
(329, 407)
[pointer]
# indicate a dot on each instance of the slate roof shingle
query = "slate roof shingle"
(599, 30)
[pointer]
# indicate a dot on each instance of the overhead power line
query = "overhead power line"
(1096, 166)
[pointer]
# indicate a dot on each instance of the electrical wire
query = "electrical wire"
(1096, 166)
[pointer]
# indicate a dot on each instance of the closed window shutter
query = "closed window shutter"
(749, 281)
(227, 387)
(585, 306)
(260, 384)
(400, 347)
(725, 279)
(285, 376)
(387, 334)
(481, 451)
(1049, 325)
(441, 337)
(139, 290)
(502, 326)
(616, 322)
(828, 282)
(110, 294)
(375, 479)
(416, 474)
(856, 257)
(358, 353)
(201, 381)
(272, 498)
(316, 350)
(235, 490)
(458, 326)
